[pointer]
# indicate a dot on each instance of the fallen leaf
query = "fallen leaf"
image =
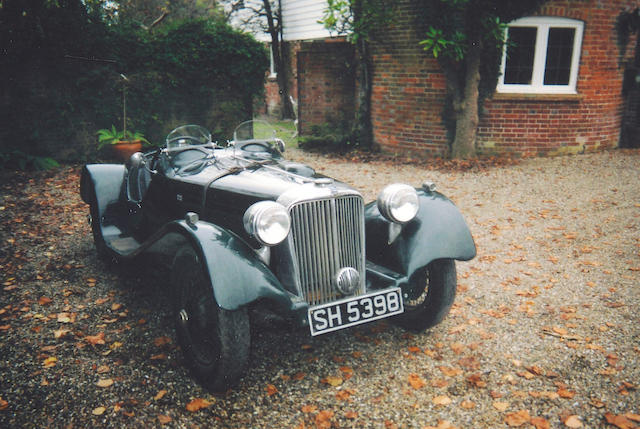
(271, 389)
(323, 419)
(632, 416)
(309, 409)
(540, 423)
(457, 348)
(442, 424)
(197, 404)
(161, 341)
(525, 374)
(60, 333)
(3, 404)
(299, 376)
(535, 370)
(450, 372)
(44, 301)
(50, 362)
(416, 381)
(501, 406)
(104, 382)
(95, 339)
(98, 411)
(333, 381)
(102, 369)
(567, 394)
(163, 420)
(468, 405)
(517, 418)
(442, 400)
(64, 318)
(160, 395)
(351, 415)
(573, 422)
(621, 422)
(343, 395)
(476, 380)
(560, 330)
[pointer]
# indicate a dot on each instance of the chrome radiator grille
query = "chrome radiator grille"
(327, 235)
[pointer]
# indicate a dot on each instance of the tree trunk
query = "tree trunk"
(466, 108)
(361, 128)
(278, 58)
(283, 84)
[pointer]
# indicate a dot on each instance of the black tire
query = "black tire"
(433, 304)
(215, 342)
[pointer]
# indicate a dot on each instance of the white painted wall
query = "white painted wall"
(300, 18)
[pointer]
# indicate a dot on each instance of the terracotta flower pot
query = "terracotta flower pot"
(124, 149)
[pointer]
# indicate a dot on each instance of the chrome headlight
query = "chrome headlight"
(398, 203)
(268, 222)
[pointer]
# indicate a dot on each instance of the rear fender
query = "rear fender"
(102, 184)
(238, 276)
(438, 231)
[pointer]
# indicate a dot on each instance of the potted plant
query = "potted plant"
(124, 143)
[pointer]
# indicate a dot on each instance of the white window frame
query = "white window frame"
(537, 86)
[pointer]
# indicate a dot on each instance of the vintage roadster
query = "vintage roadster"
(243, 226)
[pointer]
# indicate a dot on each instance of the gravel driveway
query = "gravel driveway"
(545, 331)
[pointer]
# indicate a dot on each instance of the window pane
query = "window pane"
(559, 53)
(520, 52)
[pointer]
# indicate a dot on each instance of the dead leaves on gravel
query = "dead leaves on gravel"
(481, 163)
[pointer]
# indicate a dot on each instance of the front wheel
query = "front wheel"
(214, 341)
(436, 292)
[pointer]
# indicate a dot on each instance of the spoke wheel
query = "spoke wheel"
(215, 342)
(437, 291)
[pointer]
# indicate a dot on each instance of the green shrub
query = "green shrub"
(328, 137)
(18, 160)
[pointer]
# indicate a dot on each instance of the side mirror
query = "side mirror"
(279, 145)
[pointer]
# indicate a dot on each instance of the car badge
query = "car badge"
(347, 281)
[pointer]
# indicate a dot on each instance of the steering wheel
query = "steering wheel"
(184, 163)
(193, 166)
(254, 146)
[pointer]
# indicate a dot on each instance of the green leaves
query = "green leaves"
(23, 161)
(357, 19)
(113, 136)
(436, 43)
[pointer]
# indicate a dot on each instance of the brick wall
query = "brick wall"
(326, 84)
(409, 92)
(540, 124)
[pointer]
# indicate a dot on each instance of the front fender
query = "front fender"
(438, 231)
(238, 276)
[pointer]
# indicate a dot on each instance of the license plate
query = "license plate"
(354, 311)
